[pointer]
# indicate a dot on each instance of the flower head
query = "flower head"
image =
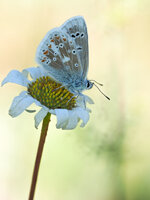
(51, 96)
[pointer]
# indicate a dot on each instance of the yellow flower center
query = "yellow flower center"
(51, 94)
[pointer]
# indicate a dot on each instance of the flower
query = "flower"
(50, 95)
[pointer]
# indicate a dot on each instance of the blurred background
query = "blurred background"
(109, 158)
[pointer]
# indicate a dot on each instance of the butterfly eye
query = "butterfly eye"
(55, 54)
(89, 85)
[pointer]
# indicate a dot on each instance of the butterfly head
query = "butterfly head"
(89, 84)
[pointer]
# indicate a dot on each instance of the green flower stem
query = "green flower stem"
(39, 155)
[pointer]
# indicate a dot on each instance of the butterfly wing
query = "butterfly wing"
(57, 54)
(77, 30)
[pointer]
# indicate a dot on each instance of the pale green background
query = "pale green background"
(110, 158)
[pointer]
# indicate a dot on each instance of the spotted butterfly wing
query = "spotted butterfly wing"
(76, 29)
(59, 56)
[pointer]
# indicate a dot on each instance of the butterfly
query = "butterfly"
(64, 54)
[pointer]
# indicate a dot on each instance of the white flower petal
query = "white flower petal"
(75, 116)
(38, 103)
(82, 100)
(68, 119)
(17, 77)
(35, 72)
(83, 115)
(40, 116)
(62, 117)
(73, 120)
(30, 111)
(20, 103)
(53, 111)
(88, 99)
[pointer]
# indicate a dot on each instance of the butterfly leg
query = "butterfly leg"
(77, 95)
(82, 96)
(72, 98)
(58, 88)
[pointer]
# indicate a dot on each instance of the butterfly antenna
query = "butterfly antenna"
(97, 82)
(102, 92)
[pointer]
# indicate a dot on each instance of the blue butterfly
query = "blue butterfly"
(64, 54)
